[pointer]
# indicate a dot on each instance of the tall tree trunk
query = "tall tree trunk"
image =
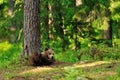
(31, 27)
(110, 33)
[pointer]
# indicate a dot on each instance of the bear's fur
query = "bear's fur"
(45, 58)
(34, 59)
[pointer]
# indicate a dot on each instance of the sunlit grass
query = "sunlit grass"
(9, 75)
(8, 53)
(67, 56)
(4, 46)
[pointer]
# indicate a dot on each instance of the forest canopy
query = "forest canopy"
(73, 23)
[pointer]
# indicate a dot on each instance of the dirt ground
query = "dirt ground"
(95, 70)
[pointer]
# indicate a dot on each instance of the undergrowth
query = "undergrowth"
(9, 53)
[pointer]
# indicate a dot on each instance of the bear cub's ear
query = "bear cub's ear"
(46, 48)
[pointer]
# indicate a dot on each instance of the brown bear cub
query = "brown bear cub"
(45, 58)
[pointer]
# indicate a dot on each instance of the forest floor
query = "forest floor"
(86, 70)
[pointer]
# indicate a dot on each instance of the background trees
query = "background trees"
(66, 24)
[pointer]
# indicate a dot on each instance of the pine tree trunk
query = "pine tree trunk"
(31, 27)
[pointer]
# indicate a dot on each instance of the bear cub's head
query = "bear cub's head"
(47, 56)
(49, 53)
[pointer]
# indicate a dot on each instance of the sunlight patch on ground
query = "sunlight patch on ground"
(36, 70)
(42, 69)
(107, 73)
(91, 64)
(102, 75)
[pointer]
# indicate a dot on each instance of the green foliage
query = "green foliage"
(71, 27)
(110, 53)
(9, 75)
(118, 72)
(115, 10)
(9, 53)
(11, 16)
(62, 21)
(9, 59)
(67, 56)
(71, 73)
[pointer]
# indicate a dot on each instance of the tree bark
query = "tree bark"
(31, 27)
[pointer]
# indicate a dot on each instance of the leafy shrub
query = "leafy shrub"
(110, 53)
(67, 56)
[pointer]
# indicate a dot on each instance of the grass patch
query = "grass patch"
(9, 75)
(118, 72)
(67, 56)
(9, 53)
(72, 73)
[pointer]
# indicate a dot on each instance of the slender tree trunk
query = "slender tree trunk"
(110, 32)
(31, 27)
